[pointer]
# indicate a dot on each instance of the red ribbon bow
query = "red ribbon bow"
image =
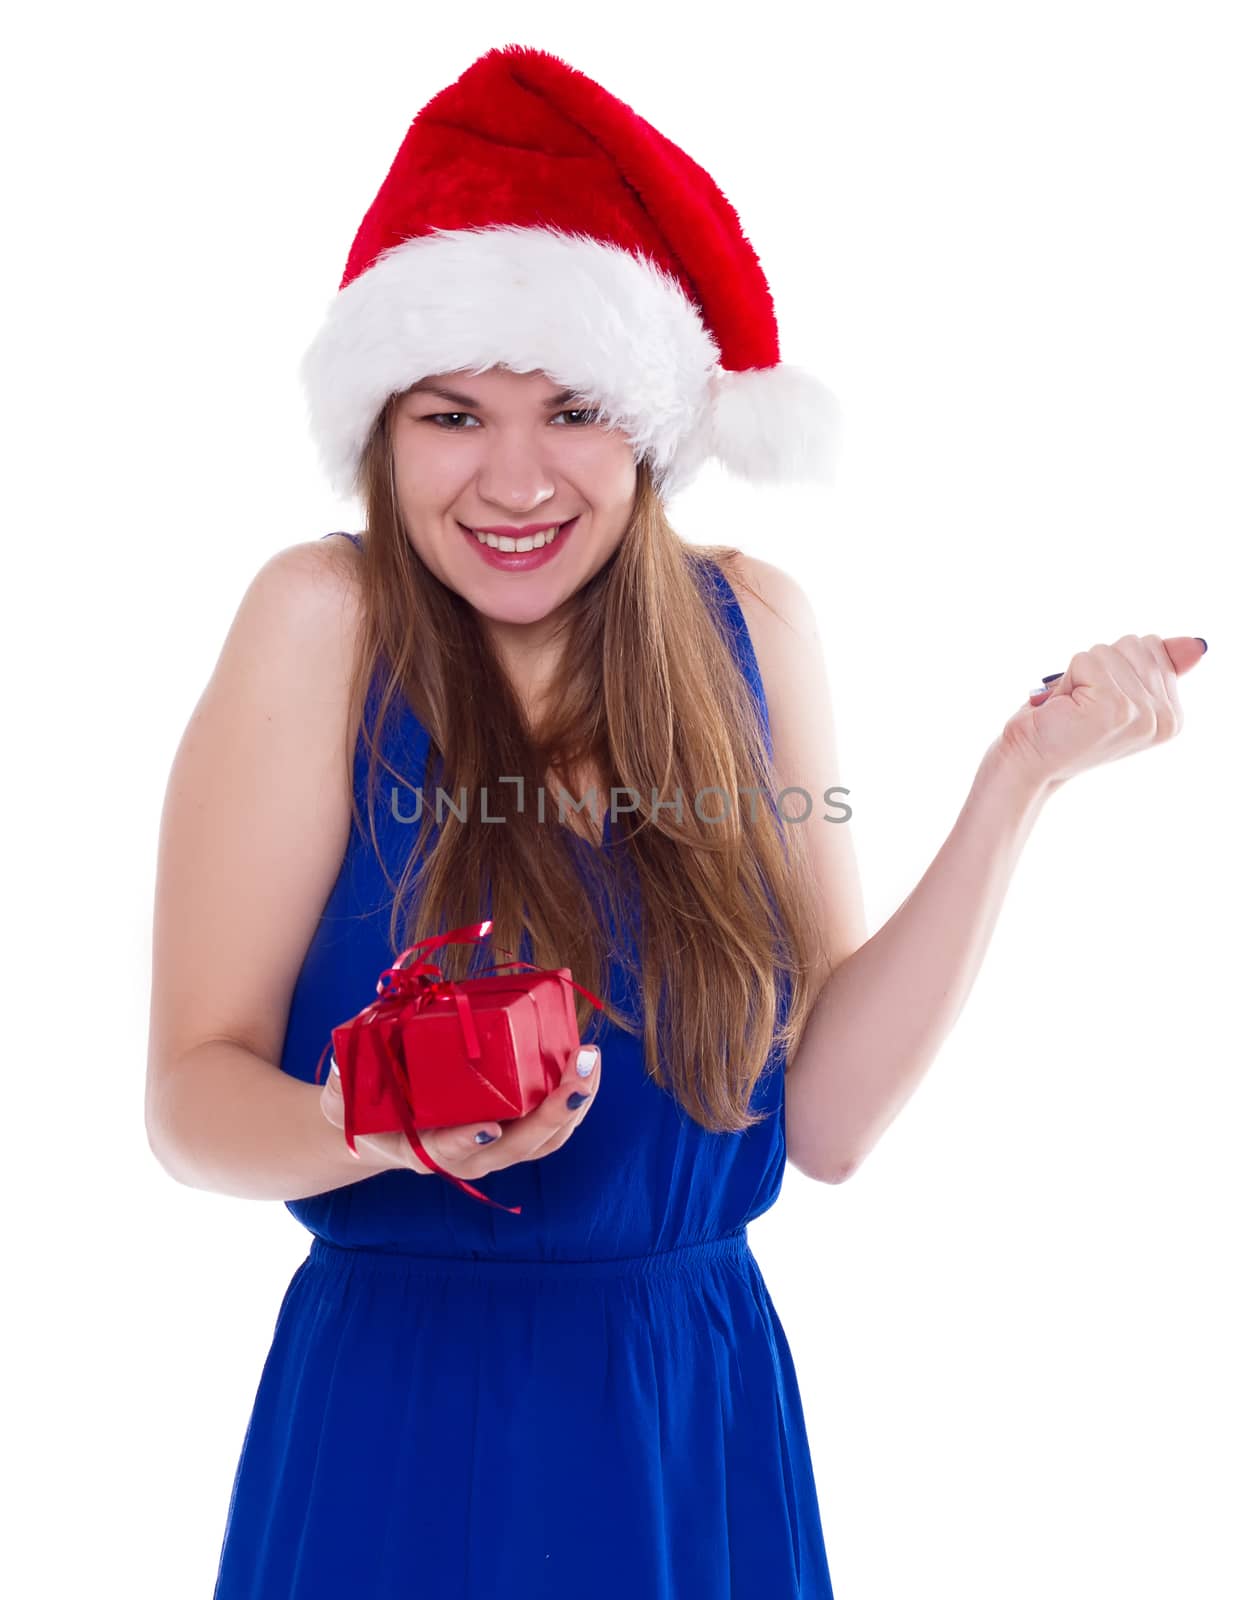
(414, 988)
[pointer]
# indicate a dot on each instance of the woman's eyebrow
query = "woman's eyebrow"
(554, 400)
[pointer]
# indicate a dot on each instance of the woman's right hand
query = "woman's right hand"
(455, 1150)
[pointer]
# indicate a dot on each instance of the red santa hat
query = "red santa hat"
(533, 221)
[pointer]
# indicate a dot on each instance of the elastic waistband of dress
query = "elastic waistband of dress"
(683, 1258)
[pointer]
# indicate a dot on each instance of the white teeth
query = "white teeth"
(501, 542)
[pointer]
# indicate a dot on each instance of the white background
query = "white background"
(1001, 234)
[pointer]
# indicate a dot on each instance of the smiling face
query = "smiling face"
(512, 451)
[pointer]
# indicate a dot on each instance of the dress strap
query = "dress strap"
(343, 534)
(742, 645)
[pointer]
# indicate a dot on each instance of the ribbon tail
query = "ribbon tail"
(413, 1138)
(401, 1098)
(553, 972)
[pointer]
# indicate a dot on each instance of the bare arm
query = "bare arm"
(247, 1128)
(885, 1011)
(255, 824)
(883, 1014)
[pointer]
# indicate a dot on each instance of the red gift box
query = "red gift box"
(430, 1052)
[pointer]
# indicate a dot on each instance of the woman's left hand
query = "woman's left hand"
(1113, 699)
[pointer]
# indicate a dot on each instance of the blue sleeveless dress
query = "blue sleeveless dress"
(595, 1397)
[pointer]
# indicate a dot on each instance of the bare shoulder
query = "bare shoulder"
(316, 576)
(784, 633)
(304, 605)
(768, 595)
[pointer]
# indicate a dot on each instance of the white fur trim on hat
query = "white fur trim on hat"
(587, 314)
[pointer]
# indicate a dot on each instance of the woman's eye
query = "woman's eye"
(441, 416)
(589, 415)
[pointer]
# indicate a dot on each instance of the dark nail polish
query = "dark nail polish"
(1052, 677)
(1201, 642)
(484, 1138)
(576, 1100)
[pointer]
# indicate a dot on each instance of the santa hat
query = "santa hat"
(532, 220)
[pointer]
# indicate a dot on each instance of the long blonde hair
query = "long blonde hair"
(650, 696)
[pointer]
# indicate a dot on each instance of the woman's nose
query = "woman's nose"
(510, 504)
(513, 479)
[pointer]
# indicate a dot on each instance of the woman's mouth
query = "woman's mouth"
(503, 553)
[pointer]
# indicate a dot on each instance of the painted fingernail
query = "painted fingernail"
(484, 1138)
(576, 1100)
(1052, 677)
(585, 1061)
(1201, 642)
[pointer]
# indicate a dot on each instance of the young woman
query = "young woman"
(591, 1393)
